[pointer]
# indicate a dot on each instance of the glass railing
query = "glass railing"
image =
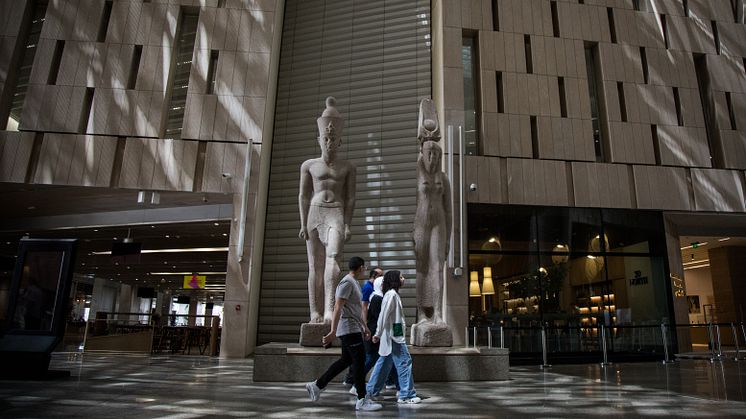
(545, 343)
(143, 333)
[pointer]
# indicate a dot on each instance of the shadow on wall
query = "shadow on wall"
(121, 88)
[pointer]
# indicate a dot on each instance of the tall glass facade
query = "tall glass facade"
(569, 271)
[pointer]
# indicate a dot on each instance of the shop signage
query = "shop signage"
(638, 279)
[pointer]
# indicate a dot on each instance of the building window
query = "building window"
(471, 115)
(105, 18)
(38, 13)
(187, 34)
(211, 72)
(593, 69)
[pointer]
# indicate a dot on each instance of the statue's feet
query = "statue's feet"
(328, 319)
(316, 318)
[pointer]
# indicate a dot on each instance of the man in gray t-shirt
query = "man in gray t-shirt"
(351, 320)
(348, 325)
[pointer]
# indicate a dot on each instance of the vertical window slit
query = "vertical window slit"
(54, 69)
(16, 83)
(622, 101)
(664, 26)
(221, 3)
(636, 5)
(656, 144)
(105, 18)
(495, 15)
(731, 114)
(612, 25)
(211, 70)
(716, 36)
(562, 96)
(469, 60)
(677, 103)
(86, 112)
(644, 61)
(685, 3)
(534, 137)
(706, 97)
(598, 111)
(529, 59)
(134, 67)
(555, 20)
(500, 93)
(181, 66)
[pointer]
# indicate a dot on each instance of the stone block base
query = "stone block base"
(287, 362)
(431, 335)
(311, 334)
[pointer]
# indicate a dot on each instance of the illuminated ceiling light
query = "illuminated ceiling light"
(724, 239)
(696, 267)
(187, 273)
(694, 262)
(183, 250)
(216, 224)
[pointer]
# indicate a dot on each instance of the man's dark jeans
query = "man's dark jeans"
(353, 355)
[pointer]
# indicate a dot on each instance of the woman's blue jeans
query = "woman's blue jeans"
(400, 358)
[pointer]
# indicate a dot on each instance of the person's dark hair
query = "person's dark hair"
(355, 263)
(374, 272)
(391, 281)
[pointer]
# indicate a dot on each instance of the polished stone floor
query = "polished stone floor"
(122, 386)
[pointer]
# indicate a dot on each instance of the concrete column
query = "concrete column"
(727, 271)
(676, 274)
(242, 282)
(124, 300)
(101, 300)
(192, 311)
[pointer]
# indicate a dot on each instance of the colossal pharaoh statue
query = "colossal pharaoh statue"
(327, 201)
(432, 232)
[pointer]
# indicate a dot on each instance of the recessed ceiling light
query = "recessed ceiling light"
(225, 234)
(95, 229)
(31, 207)
(167, 236)
(152, 226)
(115, 238)
(217, 224)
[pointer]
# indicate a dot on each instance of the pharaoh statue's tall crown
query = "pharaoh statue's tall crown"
(330, 122)
(428, 128)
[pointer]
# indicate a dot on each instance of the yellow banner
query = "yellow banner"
(194, 281)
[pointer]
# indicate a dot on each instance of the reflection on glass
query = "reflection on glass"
(471, 125)
(569, 271)
(37, 293)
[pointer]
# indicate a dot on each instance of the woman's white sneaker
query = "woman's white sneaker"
(411, 400)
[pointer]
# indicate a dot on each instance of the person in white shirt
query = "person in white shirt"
(393, 345)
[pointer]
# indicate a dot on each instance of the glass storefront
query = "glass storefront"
(569, 271)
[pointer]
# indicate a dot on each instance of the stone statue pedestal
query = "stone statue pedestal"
(431, 334)
(311, 334)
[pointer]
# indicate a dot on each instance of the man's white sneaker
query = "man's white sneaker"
(313, 391)
(367, 405)
(411, 400)
(353, 391)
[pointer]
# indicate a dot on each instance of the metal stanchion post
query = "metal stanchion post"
(719, 342)
(545, 364)
(489, 337)
(712, 342)
(466, 337)
(603, 346)
(666, 357)
(735, 341)
(502, 337)
(475, 336)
